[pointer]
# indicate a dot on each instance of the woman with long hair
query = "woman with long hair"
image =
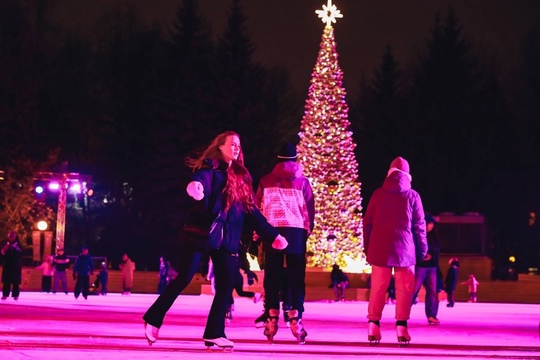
(223, 186)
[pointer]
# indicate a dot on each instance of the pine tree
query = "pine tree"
(380, 127)
(326, 151)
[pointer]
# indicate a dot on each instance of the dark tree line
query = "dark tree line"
(470, 148)
(127, 103)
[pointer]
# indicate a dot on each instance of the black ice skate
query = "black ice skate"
(374, 332)
(221, 342)
(297, 328)
(271, 325)
(261, 320)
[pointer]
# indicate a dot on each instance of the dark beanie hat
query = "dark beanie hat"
(430, 219)
(287, 153)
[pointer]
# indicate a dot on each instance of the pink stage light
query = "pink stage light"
(54, 186)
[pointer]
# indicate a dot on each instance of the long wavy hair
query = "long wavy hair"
(239, 188)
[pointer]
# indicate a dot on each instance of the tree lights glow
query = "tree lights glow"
(326, 152)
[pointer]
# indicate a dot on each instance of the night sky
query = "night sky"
(289, 32)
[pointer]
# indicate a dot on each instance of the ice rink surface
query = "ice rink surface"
(47, 326)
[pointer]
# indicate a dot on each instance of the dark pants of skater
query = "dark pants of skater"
(46, 282)
(81, 285)
(427, 276)
(225, 266)
(14, 287)
(295, 273)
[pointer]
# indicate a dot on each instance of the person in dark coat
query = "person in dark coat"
(103, 279)
(61, 263)
(451, 281)
(83, 268)
(394, 238)
(340, 282)
(12, 271)
(223, 187)
(426, 273)
(286, 199)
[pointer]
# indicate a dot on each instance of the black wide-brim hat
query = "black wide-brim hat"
(288, 152)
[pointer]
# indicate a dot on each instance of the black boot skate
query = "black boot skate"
(297, 327)
(261, 320)
(271, 325)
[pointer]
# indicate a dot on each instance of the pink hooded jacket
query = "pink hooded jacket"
(394, 225)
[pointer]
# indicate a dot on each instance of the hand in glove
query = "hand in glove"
(280, 243)
(195, 190)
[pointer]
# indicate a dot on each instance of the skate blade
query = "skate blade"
(210, 347)
(373, 340)
(403, 341)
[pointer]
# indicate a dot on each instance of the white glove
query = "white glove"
(195, 190)
(280, 243)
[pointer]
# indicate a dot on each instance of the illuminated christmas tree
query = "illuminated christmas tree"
(326, 151)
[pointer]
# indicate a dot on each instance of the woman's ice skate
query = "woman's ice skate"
(403, 336)
(374, 332)
(271, 325)
(220, 342)
(151, 333)
(297, 327)
(432, 320)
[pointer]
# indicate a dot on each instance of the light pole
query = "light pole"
(41, 227)
(61, 182)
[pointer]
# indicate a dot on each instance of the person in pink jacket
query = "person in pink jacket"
(394, 238)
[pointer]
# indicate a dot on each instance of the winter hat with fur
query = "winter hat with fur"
(401, 165)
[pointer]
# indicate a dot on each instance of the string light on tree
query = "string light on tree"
(326, 153)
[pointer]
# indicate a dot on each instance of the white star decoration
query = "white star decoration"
(329, 13)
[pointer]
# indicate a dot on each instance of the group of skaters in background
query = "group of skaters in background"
(400, 242)
(53, 272)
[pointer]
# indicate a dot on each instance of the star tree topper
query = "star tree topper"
(329, 13)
